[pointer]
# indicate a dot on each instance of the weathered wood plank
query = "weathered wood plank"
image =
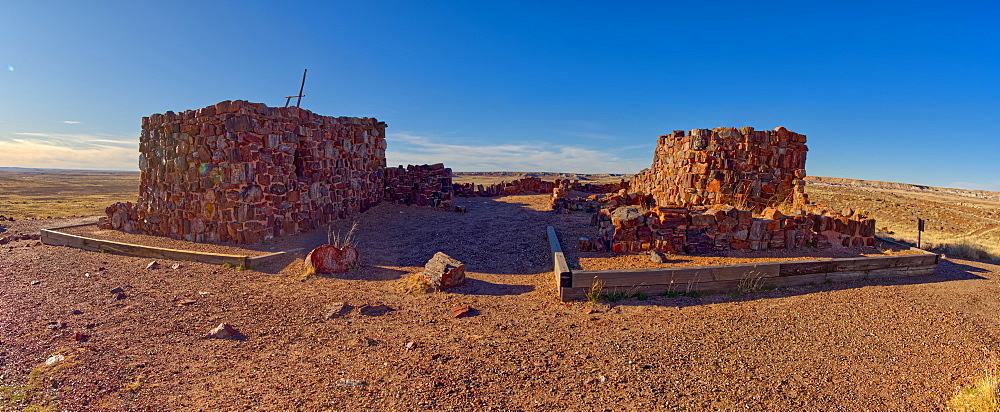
(631, 277)
(571, 294)
(745, 271)
(259, 260)
(803, 267)
(54, 238)
(553, 240)
(796, 280)
(561, 273)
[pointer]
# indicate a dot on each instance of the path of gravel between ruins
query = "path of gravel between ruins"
(898, 346)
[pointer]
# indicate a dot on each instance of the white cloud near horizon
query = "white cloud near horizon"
(71, 122)
(69, 151)
(407, 148)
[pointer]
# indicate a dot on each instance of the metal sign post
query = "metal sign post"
(920, 230)
(288, 99)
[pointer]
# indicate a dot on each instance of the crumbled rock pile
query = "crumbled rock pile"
(743, 167)
(519, 186)
(702, 229)
(426, 185)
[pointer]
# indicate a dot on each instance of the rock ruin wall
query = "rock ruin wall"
(745, 167)
(243, 172)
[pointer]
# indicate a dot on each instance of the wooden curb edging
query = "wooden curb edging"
(574, 284)
(54, 237)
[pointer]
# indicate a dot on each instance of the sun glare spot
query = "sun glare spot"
(10, 68)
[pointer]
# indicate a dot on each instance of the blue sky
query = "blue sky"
(896, 91)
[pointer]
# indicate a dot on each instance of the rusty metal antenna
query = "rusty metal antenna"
(288, 99)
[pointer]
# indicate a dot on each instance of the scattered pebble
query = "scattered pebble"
(187, 302)
(225, 331)
(460, 311)
(410, 345)
(175, 266)
(153, 265)
(335, 310)
(366, 341)
(350, 383)
(35, 282)
(376, 310)
(54, 358)
(80, 336)
(656, 256)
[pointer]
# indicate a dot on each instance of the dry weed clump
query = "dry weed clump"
(414, 284)
(984, 396)
(967, 249)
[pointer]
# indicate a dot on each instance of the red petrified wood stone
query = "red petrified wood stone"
(328, 259)
(442, 272)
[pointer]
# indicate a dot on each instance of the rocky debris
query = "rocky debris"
(410, 345)
(442, 272)
(351, 383)
(54, 359)
(657, 257)
(153, 265)
(34, 282)
(703, 229)
(366, 341)
(175, 266)
(374, 310)
(80, 336)
(119, 293)
(329, 259)
(424, 185)
(335, 310)
(461, 209)
(461, 311)
(225, 331)
(16, 237)
(186, 302)
(57, 324)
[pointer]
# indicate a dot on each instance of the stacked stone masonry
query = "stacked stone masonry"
(701, 229)
(426, 185)
(744, 167)
(243, 172)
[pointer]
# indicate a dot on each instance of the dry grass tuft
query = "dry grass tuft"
(984, 396)
(339, 239)
(967, 249)
(596, 290)
(414, 284)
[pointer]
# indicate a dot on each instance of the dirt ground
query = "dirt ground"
(901, 345)
(952, 215)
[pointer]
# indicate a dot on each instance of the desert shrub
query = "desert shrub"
(966, 249)
(984, 396)
(596, 290)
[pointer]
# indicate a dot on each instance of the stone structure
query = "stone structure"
(242, 172)
(702, 229)
(426, 185)
(748, 168)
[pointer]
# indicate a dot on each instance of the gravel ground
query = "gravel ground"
(894, 346)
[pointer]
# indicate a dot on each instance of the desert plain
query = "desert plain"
(86, 331)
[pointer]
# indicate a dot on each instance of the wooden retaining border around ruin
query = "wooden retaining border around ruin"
(54, 237)
(574, 284)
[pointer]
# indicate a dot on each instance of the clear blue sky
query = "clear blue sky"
(898, 91)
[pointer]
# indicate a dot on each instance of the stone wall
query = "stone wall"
(702, 229)
(748, 168)
(243, 172)
(425, 185)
